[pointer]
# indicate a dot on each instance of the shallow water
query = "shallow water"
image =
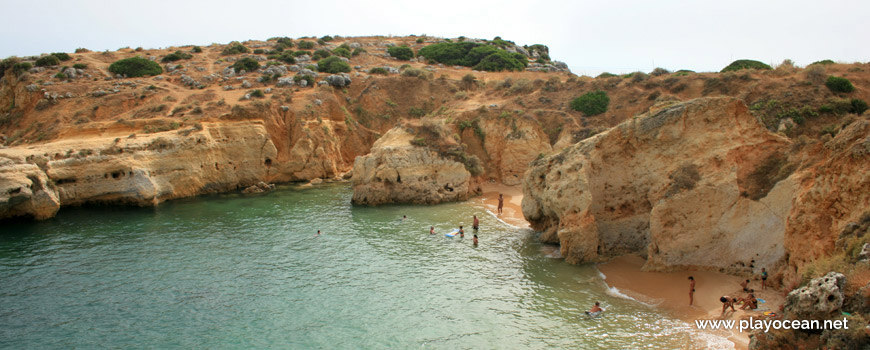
(234, 271)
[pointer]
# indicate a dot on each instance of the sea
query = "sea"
(234, 271)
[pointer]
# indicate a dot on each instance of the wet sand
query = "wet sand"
(512, 212)
(670, 291)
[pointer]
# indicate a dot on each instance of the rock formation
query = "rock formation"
(398, 172)
(678, 185)
(820, 299)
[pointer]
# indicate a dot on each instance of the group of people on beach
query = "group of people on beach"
(749, 301)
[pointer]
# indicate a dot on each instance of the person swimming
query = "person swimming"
(474, 240)
(431, 230)
(596, 308)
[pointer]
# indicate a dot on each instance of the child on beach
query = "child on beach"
(745, 285)
(763, 278)
(749, 303)
(500, 203)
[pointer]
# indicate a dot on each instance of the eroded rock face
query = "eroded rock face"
(512, 144)
(397, 172)
(143, 171)
(673, 185)
(820, 299)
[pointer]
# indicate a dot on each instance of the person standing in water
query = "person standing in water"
(476, 223)
(474, 241)
(500, 203)
(691, 290)
(461, 232)
(431, 230)
(596, 308)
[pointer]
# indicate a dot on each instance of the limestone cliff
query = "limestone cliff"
(398, 172)
(677, 185)
(139, 171)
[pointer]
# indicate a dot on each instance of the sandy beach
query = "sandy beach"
(669, 291)
(512, 212)
(665, 290)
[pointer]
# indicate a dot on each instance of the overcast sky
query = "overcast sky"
(590, 36)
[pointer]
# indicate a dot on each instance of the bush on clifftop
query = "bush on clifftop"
(135, 67)
(403, 53)
(835, 84)
(591, 103)
(745, 64)
(235, 48)
(333, 65)
(247, 64)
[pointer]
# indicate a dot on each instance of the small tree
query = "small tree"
(835, 84)
(49, 60)
(403, 53)
(591, 103)
(247, 64)
(332, 65)
(135, 67)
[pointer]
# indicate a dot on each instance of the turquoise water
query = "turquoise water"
(241, 272)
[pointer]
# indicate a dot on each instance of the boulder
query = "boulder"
(337, 80)
(260, 187)
(820, 299)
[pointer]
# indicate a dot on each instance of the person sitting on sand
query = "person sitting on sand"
(461, 232)
(745, 285)
(431, 230)
(726, 302)
(500, 203)
(475, 223)
(596, 308)
(750, 302)
(474, 240)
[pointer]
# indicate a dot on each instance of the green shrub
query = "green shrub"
(135, 67)
(358, 51)
(606, 75)
(286, 57)
(61, 56)
(499, 61)
(234, 48)
(333, 65)
(858, 106)
(416, 112)
(659, 71)
(197, 49)
(448, 53)
(60, 76)
(343, 52)
(177, 55)
(378, 70)
(403, 53)
(258, 93)
(300, 53)
(419, 40)
(80, 66)
(321, 54)
(284, 42)
(835, 84)
(247, 64)
(326, 38)
(591, 103)
(823, 62)
(305, 45)
(48, 60)
(259, 51)
(82, 50)
(745, 64)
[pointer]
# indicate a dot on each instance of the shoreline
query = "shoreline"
(512, 212)
(668, 291)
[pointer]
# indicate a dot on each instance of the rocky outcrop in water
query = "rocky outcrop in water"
(398, 172)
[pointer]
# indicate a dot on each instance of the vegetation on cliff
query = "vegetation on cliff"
(135, 67)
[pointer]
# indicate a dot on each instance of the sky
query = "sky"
(617, 36)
